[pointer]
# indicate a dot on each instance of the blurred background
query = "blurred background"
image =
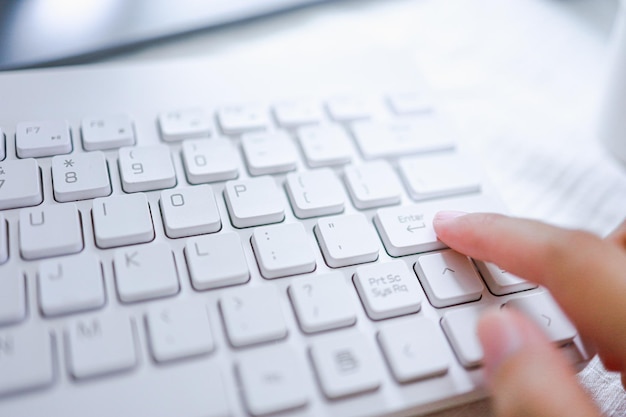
(520, 79)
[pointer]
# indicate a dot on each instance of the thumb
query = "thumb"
(526, 374)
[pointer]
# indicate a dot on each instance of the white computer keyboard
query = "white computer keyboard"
(179, 240)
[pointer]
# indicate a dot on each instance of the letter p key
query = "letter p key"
(239, 189)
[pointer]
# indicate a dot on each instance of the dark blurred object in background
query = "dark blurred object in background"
(45, 32)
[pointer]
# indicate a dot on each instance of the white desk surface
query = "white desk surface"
(521, 80)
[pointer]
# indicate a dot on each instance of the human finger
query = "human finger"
(585, 274)
(618, 236)
(525, 373)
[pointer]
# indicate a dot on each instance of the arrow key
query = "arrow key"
(415, 349)
(545, 313)
(448, 278)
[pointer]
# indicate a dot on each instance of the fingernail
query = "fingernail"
(500, 337)
(448, 214)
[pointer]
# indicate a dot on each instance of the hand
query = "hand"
(587, 277)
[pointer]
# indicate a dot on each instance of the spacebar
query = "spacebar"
(193, 389)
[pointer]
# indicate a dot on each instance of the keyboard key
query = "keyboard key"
(323, 302)
(184, 124)
(42, 138)
(80, 177)
(190, 211)
(216, 261)
(348, 108)
(546, 314)
(388, 290)
(4, 240)
(70, 285)
(179, 331)
(26, 360)
(373, 184)
(3, 153)
(399, 138)
(210, 160)
(13, 305)
(436, 176)
(347, 240)
(252, 316)
(408, 103)
(407, 230)
(325, 145)
(448, 278)
(146, 168)
(296, 113)
(187, 388)
(254, 202)
(269, 153)
(50, 231)
(346, 364)
(107, 132)
(283, 250)
(20, 184)
(415, 349)
(145, 272)
(501, 282)
(460, 327)
(272, 380)
(237, 119)
(122, 220)
(315, 193)
(100, 346)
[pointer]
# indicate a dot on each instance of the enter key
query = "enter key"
(407, 230)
